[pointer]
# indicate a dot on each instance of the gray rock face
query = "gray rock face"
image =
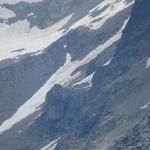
(45, 13)
(119, 90)
(84, 119)
(62, 104)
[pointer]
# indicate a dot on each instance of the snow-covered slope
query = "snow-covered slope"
(18, 38)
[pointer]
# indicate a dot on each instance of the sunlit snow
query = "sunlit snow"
(108, 62)
(19, 39)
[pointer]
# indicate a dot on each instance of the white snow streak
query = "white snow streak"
(148, 63)
(51, 146)
(108, 62)
(145, 106)
(12, 2)
(94, 23)
(18, 38)
(87, 80)
(61, 76)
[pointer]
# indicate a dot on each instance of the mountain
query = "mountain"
(74, 75)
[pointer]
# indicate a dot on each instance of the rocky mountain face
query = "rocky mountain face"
(137, 138)
(85, 90)
(44, 13)
(37, 69)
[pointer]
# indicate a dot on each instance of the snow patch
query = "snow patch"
(12, 2)
(148, 63)
(68, 58)
(51, 146)
(30, 14)
(108, 62)
(6, 13)
(19, 39)
(87, 80)
(65, 46)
